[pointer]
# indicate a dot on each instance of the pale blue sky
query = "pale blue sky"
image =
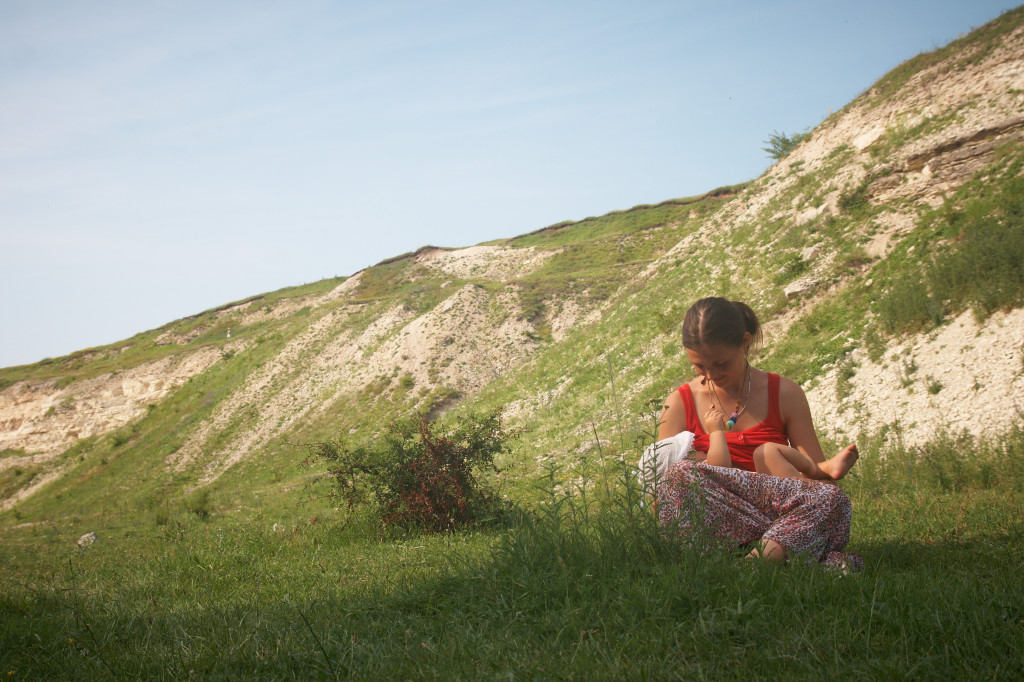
(161, 158)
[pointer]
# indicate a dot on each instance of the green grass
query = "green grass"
(636, 219)
(597, 254)
(583, 586)
(968, 254)
(18, 477)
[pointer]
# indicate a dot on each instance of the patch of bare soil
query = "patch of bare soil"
(498, 263)
(462, 344)
(963, 375)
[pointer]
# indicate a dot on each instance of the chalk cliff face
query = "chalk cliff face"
(48, 418)
(537, 314)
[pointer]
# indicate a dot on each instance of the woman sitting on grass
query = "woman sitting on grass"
(769, 430)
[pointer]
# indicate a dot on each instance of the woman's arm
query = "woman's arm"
(796, 415)
(673, 421)
(673, 416)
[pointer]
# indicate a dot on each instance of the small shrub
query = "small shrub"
(857, 199)
(874, 343)
(376, 387)
(199, 503)
(907, 305)
(779, 145)
(791, 268)
(439, 400)
(417, 477)
(908, 371)
(844, 383)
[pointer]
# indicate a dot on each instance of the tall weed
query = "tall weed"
(951, 461)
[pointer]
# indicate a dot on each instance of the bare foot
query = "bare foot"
(838, 466)
(769, 550)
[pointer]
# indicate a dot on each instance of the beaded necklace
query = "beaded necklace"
(740, 404)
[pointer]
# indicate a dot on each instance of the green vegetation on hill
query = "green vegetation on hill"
(596, 255)
(206, 329)
(968, 253)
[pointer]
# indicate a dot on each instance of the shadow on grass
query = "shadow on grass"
(951, 555)
(587, 596)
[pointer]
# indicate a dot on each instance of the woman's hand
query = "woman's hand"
(714, 420)
(718, 448)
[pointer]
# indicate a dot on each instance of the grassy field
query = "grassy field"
(579, 585)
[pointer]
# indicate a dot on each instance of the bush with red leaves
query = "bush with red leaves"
(418, 477)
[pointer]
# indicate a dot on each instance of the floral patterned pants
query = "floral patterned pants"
(806, 518)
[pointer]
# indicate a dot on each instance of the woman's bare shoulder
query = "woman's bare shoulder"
(789, 387)
(791, 395)
(673, 398)
(673, 416)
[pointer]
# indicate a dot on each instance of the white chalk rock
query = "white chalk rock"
(810, 253)
(800, 287)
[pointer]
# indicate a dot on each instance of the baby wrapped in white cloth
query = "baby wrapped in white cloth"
(659, 457)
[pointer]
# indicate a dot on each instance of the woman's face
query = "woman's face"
(724, 365)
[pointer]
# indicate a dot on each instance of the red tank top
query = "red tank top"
(741, 443)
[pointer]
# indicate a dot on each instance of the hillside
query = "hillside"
(884, 254)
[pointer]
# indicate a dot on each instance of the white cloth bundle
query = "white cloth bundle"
(659, 457)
